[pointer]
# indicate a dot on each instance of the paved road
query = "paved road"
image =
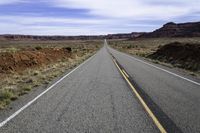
(175, 101)
(94, 98)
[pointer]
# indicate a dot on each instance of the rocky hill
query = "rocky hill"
(184, 55)
(175, 30)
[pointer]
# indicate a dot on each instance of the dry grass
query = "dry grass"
(75, 44)
(145, 47)
(14, 84)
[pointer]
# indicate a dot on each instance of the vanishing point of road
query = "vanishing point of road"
(100, 97)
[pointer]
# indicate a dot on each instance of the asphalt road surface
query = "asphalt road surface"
(174, 100)
(96, 98)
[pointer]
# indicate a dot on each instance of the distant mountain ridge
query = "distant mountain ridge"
(191, 29)
(171, 29)
(34, 37)
(84, 37)
(124, 36)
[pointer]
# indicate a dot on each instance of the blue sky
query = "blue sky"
(92, 17)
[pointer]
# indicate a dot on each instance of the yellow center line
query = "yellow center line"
(125, 73)
(155, 120)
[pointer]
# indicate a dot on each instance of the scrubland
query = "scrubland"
(183, 53)
(27, 65)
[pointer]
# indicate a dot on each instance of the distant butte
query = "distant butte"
(171, 29)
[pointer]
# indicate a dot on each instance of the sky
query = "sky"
(92, 17)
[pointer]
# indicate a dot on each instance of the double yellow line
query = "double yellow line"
(147, 109)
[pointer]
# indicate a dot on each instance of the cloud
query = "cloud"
(66, 26)
(141, 9)
(60, 17)
(46, 30)
(32, 20)
(60, 30)
(51, 25)
(5, 2)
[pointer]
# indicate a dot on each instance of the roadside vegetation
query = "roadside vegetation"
(172, 52)
(27, 65)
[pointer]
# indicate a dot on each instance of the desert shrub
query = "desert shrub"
(69, 49)
(35, 73)
(38, 47)
(129, 46)
(26, 88)
(5, 94)
(5, 97)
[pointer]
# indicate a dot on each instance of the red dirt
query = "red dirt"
(22, 60)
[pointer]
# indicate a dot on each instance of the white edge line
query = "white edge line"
(161, 69)
(36, 98)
